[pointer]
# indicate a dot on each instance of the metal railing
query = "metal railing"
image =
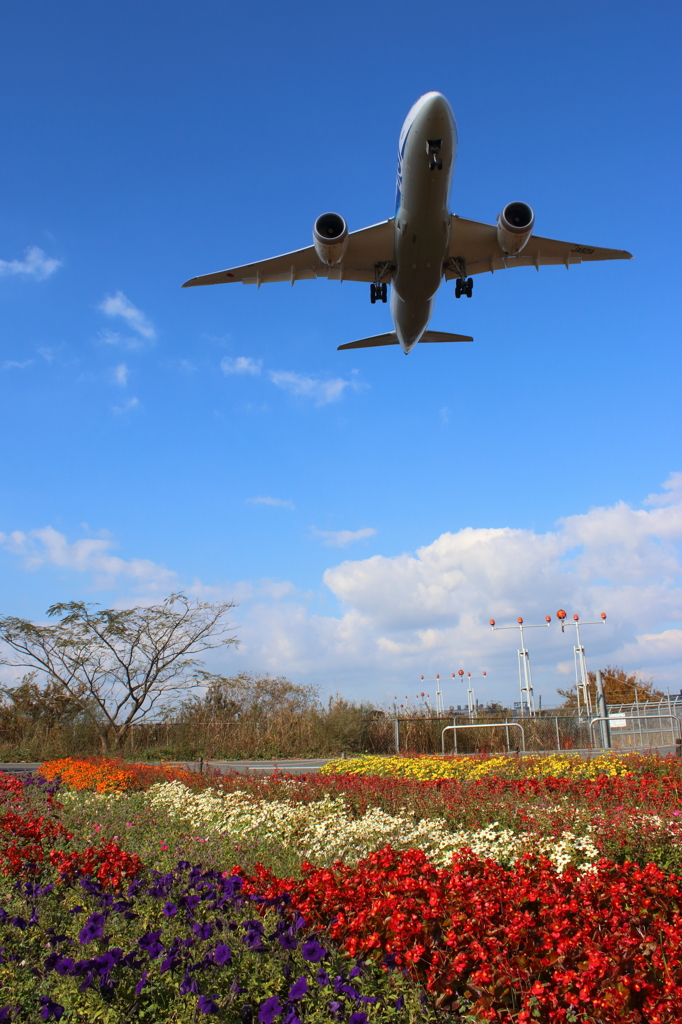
(632, 718)
(488, 725)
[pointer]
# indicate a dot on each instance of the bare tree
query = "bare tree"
(119, 666)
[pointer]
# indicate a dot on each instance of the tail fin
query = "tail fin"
(392, 339)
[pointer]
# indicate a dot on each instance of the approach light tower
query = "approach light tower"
(471, 700)
(440, 710)
(582, 682)
(525, 676)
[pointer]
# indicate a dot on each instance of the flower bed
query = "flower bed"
(493, 894)
(104, 774)
(509, 945)
(527, 767)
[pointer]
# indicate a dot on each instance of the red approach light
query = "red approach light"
(422, 693)
(575, 618)
(437, 676)
(421, 677)
(603, 616)
(561, 614)
(461, 672)
(520, 620)
(492, 622)
(485, 673)
(469, 674)
(548, 618)
(453, 675)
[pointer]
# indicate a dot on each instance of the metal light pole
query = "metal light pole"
(471, 700)
(439, 694)
(581, 677)
(525, 675)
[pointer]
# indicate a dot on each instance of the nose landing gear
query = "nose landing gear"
(433, 149)
(464, 287)
(378, 293)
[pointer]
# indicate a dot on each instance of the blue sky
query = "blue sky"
(143, 426)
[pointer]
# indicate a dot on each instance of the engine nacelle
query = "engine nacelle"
(330, 237)
(514, 227)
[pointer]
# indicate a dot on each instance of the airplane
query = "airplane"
(422, 244)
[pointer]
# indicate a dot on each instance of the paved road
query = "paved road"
(297, 767)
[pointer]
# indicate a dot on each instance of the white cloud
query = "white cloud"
(12, 364)
(339, 538)
(242, 364)
(35, 264)
(121, 374)
(322, 392)
(428, 611)
(132, 403)
(278, 502)
(119, 305)
(417, 613)
(48, 547)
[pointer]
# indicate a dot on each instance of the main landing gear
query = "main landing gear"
(378, 293)
(464, 287)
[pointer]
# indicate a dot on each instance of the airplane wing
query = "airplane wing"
(474, 249)
(366, 248)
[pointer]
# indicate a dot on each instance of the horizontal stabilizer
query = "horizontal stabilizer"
(375, 342)
(392, 339)
(443, 336)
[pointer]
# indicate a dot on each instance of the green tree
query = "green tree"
(619, 688)
(118, 666)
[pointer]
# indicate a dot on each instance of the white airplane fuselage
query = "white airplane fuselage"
(426, 157)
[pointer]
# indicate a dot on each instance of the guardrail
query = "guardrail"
(487, 725)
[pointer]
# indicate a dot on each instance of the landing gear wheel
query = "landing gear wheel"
(372, 293)
(469, 288)
(458, 288)
(383, 292)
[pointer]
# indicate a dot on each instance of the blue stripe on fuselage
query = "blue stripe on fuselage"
(399, 180)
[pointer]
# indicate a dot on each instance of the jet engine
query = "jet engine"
(330, 237)
(514, 227)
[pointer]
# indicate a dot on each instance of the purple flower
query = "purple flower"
(6, 1011)
(322, 978)
(188, 985)
(170, 910)
(151, 945)
(400, 1002)
(50, 1009)
(292, 1018)
(313, 951)
(64, 966)
(269, 1009)
(254, 940)
(141, 983)
(93, 929)
(222, 954)
(207, 1004)
(355, 971)
(298, 989)
(19, 922)
(288, 940)
(204, 931)
(358, 1018)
